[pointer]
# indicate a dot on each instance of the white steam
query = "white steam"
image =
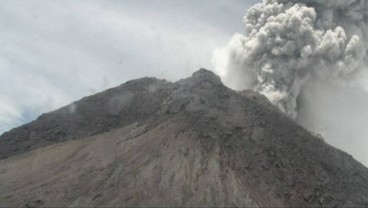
(288, 43)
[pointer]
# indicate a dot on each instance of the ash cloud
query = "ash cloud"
(288, 43)
(309, 57)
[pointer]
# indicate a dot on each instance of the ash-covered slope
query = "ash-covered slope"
(190, 143)
(131, 102)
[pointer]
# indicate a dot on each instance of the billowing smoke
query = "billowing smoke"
(309, 57)
(289, 43)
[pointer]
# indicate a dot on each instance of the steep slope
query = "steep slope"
(190, 143)
(131, 102)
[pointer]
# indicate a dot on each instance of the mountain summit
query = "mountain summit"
(191, 143)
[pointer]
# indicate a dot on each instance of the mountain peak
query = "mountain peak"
(191, 143)
(206, 75)
(202, 79)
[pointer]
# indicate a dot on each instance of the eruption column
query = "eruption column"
(289, 43)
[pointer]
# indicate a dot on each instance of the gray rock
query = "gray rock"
(192, 143)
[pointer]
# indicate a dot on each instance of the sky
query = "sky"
(55, 52)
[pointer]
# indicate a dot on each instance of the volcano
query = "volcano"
(191, 143)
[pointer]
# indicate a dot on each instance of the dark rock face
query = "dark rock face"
(190, 143)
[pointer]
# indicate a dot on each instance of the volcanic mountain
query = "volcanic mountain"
(192, 143)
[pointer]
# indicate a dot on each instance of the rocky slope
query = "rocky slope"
(191, 143)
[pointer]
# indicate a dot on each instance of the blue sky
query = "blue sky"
(55, 52)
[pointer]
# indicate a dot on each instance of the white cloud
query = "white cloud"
(54, 52)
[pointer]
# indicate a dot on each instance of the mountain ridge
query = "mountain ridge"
(194, 142)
